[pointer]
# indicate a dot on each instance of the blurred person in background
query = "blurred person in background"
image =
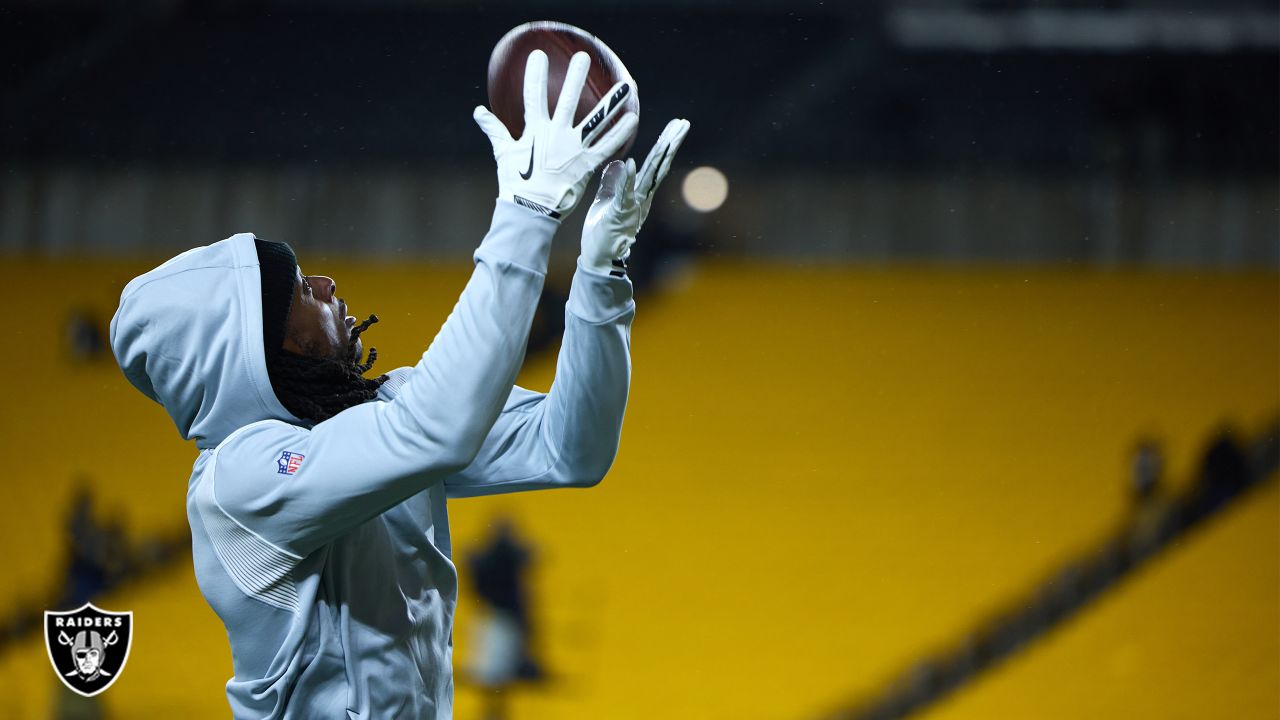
(1224, 473)
(1151, 516)
(503, 653)
(317, 503)
(84, 336)
(98, 552)
(87, 571)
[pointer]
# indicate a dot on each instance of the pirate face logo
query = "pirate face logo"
(87, 650)
(88, 647)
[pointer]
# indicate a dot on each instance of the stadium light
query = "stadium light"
(705, 188)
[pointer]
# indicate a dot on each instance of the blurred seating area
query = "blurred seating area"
(1194, 635)
(827, 473)
(834, 87)
(1158, 522)
(846, 130)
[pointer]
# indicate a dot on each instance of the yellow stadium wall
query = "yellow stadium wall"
(824, 473)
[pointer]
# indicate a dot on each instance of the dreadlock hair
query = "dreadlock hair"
(316, 389)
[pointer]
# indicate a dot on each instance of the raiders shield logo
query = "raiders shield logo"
(88, 647)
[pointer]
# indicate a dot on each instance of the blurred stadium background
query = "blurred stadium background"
(959, 404)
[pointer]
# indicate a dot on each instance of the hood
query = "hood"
(188, 334)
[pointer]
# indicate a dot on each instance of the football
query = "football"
(559, 41)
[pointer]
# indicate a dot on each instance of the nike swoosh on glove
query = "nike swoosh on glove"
(547, 169)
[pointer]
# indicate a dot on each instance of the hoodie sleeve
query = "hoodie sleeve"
(568, 437)
(299, 489)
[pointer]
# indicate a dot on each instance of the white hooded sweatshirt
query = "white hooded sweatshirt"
(325, 549)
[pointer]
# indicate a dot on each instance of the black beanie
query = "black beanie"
(278, 268)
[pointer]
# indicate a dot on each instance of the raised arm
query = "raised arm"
(569, 437)
(370, 457)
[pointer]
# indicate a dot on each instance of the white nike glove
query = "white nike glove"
(622, 204)
(547, 169)
(612, 221)
(658, 162)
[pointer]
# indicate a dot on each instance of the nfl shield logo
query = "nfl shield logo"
(288, 463)
(88, 647)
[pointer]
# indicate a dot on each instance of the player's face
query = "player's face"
(318, 323)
